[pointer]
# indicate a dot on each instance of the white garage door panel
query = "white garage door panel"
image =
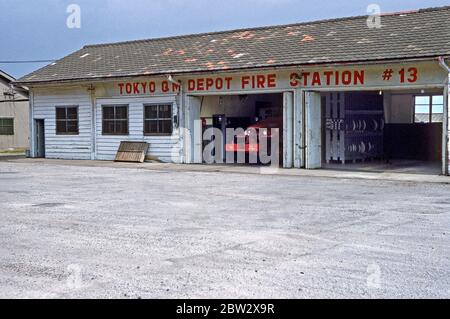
(313, 130)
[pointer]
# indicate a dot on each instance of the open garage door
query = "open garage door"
(313, 110)
(193, 131)
(288, 126)
(398, 131)
(246, 129)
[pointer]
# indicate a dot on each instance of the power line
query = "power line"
(26, 61)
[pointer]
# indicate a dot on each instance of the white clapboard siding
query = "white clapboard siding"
(162, 148)
(64, 146)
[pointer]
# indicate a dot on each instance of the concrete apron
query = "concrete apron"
(236, 169)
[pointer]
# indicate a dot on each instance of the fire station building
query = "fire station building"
(345, 94)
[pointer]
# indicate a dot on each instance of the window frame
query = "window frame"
(158, 119)
(430, 108)
(67, 119)
(127, 106)
(12, 126)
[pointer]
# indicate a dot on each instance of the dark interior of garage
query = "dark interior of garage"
(382, 131)
(246, 112)
(416, 141)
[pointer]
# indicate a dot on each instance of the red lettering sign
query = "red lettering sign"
(305, 76)
(272, 80)
(316, 79)
(209, 84)
(327, 78)
(259, 82)
(136, 88)
(245, 81)
(228, 80)
(144, 87)
(219, 83)
(152, 87)
(359, 77)
(346, 77)
(328, 75)
(294, 79)
(165, 86)
(128, 88)
(121, 88)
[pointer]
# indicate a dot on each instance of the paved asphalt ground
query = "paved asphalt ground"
(71, 231)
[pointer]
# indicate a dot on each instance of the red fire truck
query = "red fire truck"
(263, 128)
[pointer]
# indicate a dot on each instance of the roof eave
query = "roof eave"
(231, 70)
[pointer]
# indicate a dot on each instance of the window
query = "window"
(115, 120)
(6, 126)
(158, 119)
(429, 109)
(67, 120)
(437, 109)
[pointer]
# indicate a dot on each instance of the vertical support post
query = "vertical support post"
(299, 123)
(446, 129)
(181, 125)
(288, 105)
(334, 110)
(198, 138)
(187, 135)
(32, 132)
(341, 143)
(313, 130)
(193, 131)
(328, 132)
(91, 90)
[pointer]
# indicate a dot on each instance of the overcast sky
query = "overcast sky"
(37, 30)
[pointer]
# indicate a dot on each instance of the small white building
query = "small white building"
(13, 115)
(346, 93)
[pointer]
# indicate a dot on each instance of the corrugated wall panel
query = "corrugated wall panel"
(64, 146)
(164, 148)
(161, 147)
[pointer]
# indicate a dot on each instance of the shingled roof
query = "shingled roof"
(414, 34)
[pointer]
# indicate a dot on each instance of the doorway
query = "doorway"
(375, 131)
(244, 115)
(39, 138)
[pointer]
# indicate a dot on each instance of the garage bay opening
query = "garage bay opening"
(242, 129)
(398, 131)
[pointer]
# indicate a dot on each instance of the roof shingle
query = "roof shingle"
(422, 33)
